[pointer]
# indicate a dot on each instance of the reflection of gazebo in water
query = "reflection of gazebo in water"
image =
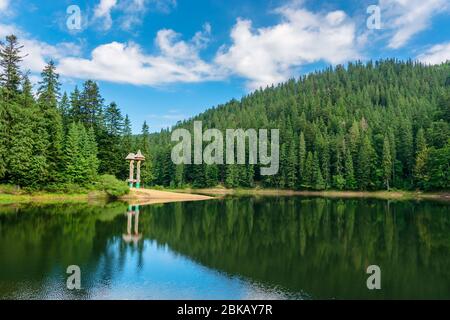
(135, 236)
(139, 157)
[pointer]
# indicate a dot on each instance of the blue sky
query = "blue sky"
(167, 60)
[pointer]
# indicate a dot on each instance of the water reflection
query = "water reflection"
(223, 249)
(133, 211)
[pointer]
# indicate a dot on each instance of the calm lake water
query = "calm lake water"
(237, 248)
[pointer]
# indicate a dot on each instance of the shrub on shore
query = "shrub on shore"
(106, 183)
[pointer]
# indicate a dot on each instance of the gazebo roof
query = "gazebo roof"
(139, 156)
(131, 156)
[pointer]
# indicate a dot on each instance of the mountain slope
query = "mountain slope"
(368, 126)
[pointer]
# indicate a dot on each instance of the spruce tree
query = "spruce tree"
(73, 158)
(147, 166)
(350, 182)
(91, 106)
(386, 162)
(49, 87)
(309, 170)
(365, 163)
(48, 94)
(110, 153)
(10, 58)
(422, 155)
(301, 159)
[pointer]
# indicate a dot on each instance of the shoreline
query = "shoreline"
(387, 195)
(152, 196)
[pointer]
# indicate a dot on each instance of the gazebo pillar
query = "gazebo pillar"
(131, 179)
(138, 174)
(139, 157)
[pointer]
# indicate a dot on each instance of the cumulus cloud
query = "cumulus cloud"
(269, 55)
(406, 18)
(436, 54)
(36, 54)
(176, 61)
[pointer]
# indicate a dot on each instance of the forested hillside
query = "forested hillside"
(369, 126)
(378, 125)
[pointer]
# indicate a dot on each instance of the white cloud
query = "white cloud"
(406, 18)
(131, 12)
(103, 11)
(270, 55)
(4, 5)
(436, 54)
(6, 30)
(36, 54)
(177, 61)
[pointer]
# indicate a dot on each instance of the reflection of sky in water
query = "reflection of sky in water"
(159, 273)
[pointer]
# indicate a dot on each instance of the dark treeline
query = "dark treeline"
(58, 141)
(373, 126)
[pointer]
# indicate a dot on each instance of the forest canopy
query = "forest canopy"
(364, 126)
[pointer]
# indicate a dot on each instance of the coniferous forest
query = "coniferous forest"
(366, 126)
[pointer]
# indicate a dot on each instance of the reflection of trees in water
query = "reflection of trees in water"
(320, 246)
(36, 242)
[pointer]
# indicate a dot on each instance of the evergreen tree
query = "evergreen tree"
(49, 87)
(126, 146)
(27, 92)
(387, 162)
(73, 159)
(317, 181)
(301, 159)
(64, 109)
(422, 154)
(365, 164)
(350, 182)
(325, 168)
(48, 94)
(75, 111)
(146, 169)
(309, 170)
(10, 58)
(291, 163)
(211, 175)
(110, 154)
(91, 106)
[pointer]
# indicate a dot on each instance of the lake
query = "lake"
(233, 248)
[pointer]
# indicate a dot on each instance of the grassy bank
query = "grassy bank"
(105, 188)
(52, 198)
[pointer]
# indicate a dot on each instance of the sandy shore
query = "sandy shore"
(149, 196)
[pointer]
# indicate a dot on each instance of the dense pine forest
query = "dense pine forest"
(373, 126)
